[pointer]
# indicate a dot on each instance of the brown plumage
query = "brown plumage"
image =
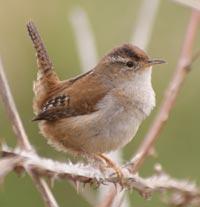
(73, 100)
(98, 111)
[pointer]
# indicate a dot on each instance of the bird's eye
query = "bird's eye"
(130, 64)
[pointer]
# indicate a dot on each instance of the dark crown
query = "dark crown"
(129, 51)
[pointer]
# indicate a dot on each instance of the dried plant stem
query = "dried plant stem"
(22, 138)
(85, 40)
(195, 4)
(44, 189)
(12, 111)
(171, 94)
(86, 174)
(144, 24)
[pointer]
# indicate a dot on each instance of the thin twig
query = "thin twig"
(194, 4)
(12, 111)
(170, 95)
(85, 40)
(144, 24)
(7, 165)
(22, 138)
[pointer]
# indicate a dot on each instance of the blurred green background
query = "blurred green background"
(112, 22)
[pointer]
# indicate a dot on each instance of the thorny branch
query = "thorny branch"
(86, 174)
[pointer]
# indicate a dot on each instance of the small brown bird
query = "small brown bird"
(98, 111)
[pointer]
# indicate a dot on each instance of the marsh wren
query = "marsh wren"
(98, 111)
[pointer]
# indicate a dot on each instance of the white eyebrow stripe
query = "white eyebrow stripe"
(117, 59)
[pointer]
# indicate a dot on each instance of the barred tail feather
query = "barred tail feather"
(44, 63)
(47, 79)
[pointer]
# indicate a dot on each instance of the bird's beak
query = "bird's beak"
(155, 62)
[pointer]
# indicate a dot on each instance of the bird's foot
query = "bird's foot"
(112, 165)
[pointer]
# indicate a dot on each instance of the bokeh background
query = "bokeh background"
(112, 22)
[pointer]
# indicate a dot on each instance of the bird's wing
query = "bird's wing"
(79, 98)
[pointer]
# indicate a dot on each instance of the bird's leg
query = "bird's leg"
(112, 165)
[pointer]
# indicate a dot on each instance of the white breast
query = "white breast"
(122, 118)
